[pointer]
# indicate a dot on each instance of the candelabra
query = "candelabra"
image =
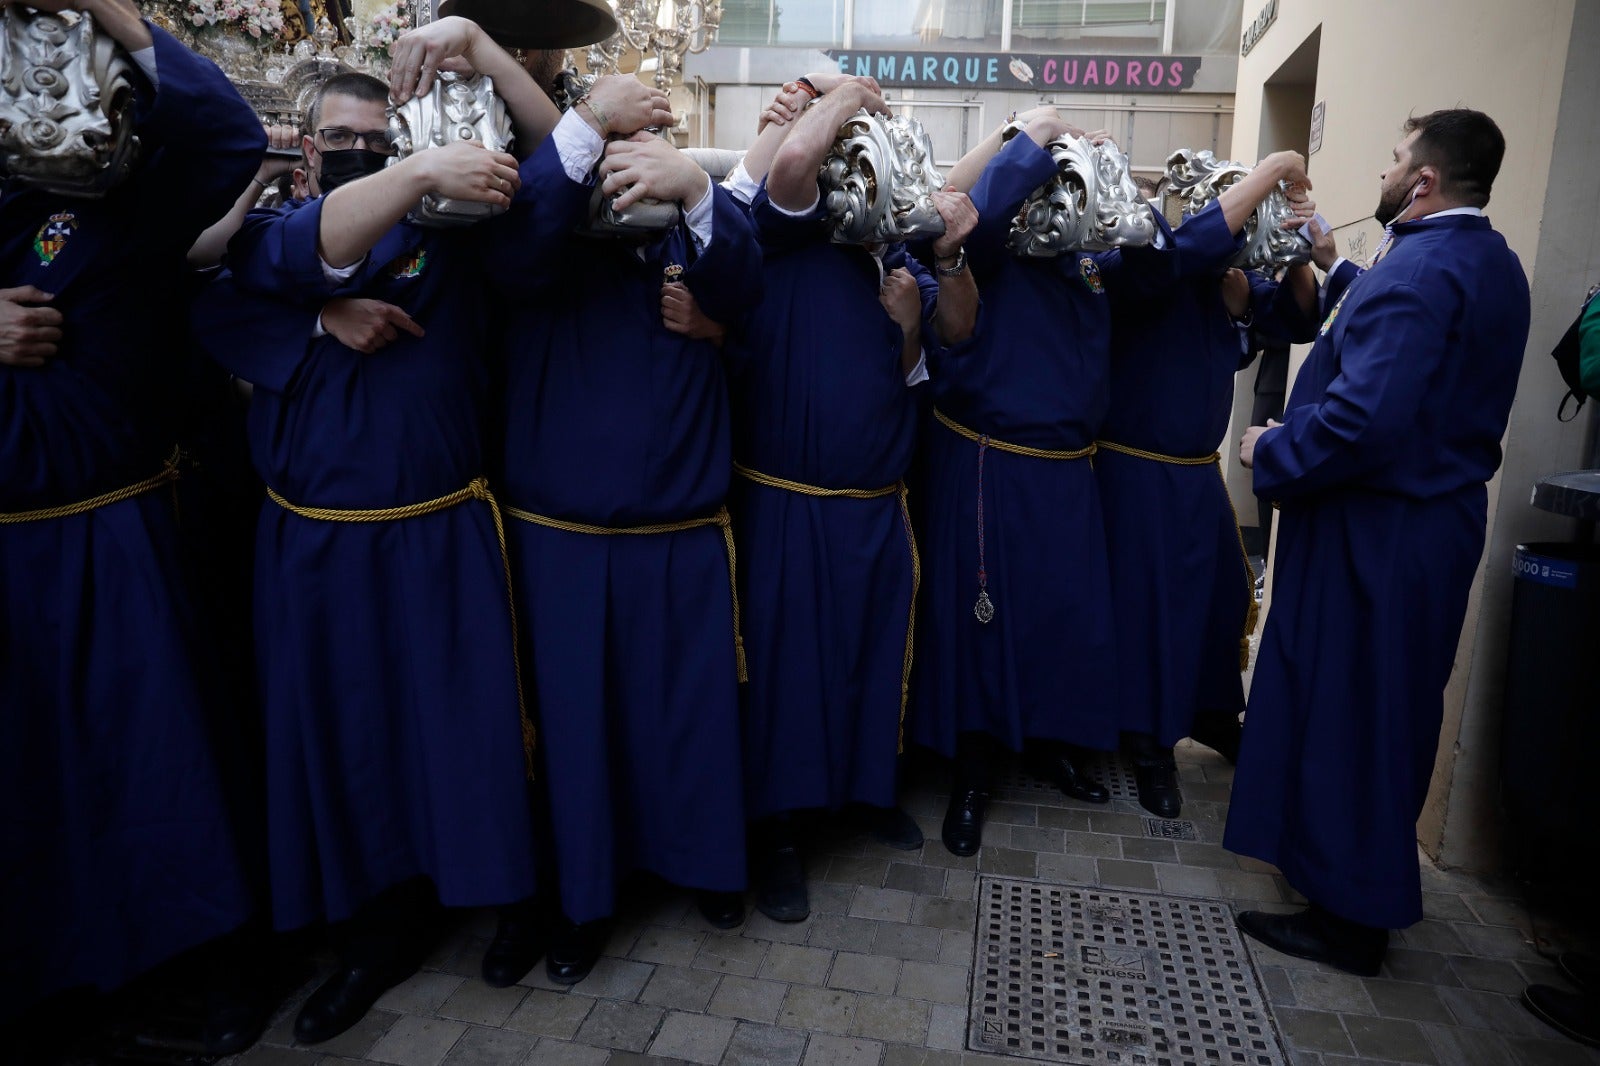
(664, 29)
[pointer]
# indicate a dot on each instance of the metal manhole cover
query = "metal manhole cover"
(1104, 766)
(1082, 975)
(1170, 829)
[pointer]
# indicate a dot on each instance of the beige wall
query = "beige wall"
(1529, 65)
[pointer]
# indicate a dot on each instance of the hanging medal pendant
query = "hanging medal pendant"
(983, 610)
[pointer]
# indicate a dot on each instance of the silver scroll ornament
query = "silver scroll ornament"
(643, 221)
(459, 107)
(66, 103)
(1090, 205)
(878, 182)
(1196, 178)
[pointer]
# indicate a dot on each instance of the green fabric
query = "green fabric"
(1589, 350)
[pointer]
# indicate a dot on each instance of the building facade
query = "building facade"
(1158, 74)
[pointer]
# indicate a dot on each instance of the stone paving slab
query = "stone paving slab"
(880, 973)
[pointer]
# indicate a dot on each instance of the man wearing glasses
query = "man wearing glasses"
(395, 730)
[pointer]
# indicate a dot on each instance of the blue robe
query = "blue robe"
(385, 650)
(1033, 374)
(118, 852)
(1180, 582)
(827, 583)
(1390, 433)
(611, 420)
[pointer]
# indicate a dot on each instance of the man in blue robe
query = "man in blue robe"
(1393, 427)
(614, 475)
(386, 644)
(825, 416)
(1016, 644)
(118, 849)
(1182, 588)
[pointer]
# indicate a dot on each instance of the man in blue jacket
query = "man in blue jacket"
(1379, 469)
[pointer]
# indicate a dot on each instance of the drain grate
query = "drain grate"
(1104, 766)
(1083, 975)
(1170, 829)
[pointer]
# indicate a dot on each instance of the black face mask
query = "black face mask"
(341, 168)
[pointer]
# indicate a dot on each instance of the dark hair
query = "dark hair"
(363, 87)
(1466, 147)
(1148, 186)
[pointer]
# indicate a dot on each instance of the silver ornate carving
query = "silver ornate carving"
(459, 107)
(1197, 178)
(878, 182)
(66, 103)
(1090, 205)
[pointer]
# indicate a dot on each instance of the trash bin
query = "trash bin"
(1552, 709)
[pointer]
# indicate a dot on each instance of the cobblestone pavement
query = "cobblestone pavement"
(879, 974)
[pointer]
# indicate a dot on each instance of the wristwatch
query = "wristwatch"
(955, 269)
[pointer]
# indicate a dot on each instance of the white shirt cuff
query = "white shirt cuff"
(797, 214)
(698, 217)
(578, 145)
(146, 58)
(336, 276)
(1161, 240)
(919, 373)
(741, 185)
(319, 330)
(1334, 269)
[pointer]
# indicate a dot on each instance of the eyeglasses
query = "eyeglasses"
(340, 139)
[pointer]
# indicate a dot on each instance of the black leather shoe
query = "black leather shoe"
(1582, 970)
(344, 999)
(1315, 935)
(725, 910)
(963, 821)
(1158, 788)
(574, 949)
(1059, 769)
(519, 942)
(894, 827)
(1573, 1014)
(781, 885)
(1219, 732)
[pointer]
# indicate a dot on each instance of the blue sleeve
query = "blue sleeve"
(201, 142)
(1389, 350)
(1141, 272)
(522, 247)
(1334, 284)
(1204, 243)
(1016, 171)
(275, 253)
(257, 338)
(780, 231)
(1277, 315)
(726, 277)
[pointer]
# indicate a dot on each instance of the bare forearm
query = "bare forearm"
(531, 111)
(956, 313)
(120, 19)
(792, 179)
(964, 175)
(1246, 194)
(911, 351)
(758, 160)
(209, 246)
(356, 216)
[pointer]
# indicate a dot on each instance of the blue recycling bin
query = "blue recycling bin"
(1552, 709)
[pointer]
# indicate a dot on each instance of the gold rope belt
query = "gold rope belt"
(477, 490)
(720, 519)
(1252, 612)
(169, 474)
(1001, 446)
(984, 608)
(911, 543)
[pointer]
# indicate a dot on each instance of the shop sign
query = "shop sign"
(1257, 29)
(1031, 71)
